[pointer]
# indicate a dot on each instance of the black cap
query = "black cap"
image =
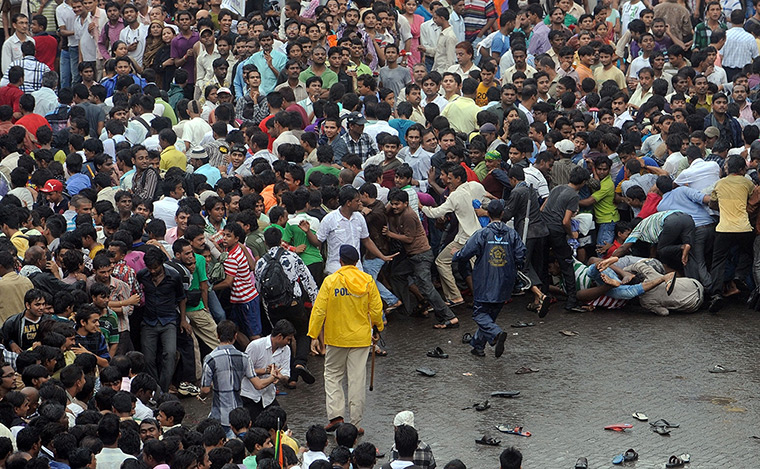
(349, 254)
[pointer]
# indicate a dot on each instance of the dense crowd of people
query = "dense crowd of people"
(200, 198)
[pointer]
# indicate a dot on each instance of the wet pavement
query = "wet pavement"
(619, 363)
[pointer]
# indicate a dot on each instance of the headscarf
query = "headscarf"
(153, 45)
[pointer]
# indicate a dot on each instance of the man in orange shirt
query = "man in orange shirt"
(585, 60)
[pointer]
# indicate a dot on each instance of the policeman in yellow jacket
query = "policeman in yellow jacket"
(348, 305)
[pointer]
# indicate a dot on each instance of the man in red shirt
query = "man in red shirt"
(30, 120)
(11, 94)
(243, 295)
(46, 45)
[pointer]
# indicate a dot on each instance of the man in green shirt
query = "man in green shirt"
(201, 321)
(325, 160)
(319, 69)
(301, 230)
(603, 201)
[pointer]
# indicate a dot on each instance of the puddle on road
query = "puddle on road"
(726, 402)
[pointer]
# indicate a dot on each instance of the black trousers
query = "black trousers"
(557, 243)
(255, 408)
(296, 314)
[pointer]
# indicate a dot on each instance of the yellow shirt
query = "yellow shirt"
(732, 193)
(462, 114)
(21, 242)
(171, 157)
(601, 75)
(95, 250)
(480, 96)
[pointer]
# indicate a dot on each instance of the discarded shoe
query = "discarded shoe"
(505, 393)
(721, 369)
(640, 416)
(525, 370)
(488, 441)
(426, 371)
(581, 463)
(512, 430)
(437, 353)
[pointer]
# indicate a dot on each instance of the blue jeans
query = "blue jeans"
(429, 63)
(372, 267)
(215, 307)
(74, 64)
(150, 336)
(247, 316)
(623, 292)
(605, 233)
(66, 69)
(484, 315)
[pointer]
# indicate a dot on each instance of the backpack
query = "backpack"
(276, 287)
(193, 297)
(216, 273)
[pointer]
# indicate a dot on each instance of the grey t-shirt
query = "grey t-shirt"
(560, 199)
(395, 79)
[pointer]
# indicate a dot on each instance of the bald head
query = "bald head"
(35, 256)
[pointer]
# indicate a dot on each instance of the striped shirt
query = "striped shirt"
(583, 282)
(740, 48)
(650, 228)
(224, 369)
(236, 264)
(476, 15)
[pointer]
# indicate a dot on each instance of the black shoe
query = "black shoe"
(716, 303)
(499, 347)
(305, 374)
(478, 353)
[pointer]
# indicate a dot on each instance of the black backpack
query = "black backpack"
(276, 288)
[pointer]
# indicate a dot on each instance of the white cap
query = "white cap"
(405, 417)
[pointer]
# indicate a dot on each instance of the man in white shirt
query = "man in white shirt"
(93, 24)
(264, 353)
(108, 432)
(283, 123)
(65, 16)
(166, 208)
(12, 45)
(457, 19)
(620, 109)
(429, 34)
(382, 114)
(134, 34)
(430, 87)
(45, 99)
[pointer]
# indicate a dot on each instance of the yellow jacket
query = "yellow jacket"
(348, 305)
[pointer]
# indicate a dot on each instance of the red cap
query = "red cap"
(52, 185)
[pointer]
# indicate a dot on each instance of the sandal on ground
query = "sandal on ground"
(488, 441)
(437, 353)
(466, 338)
(675, 461)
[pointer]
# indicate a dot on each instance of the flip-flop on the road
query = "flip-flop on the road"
(581, 463)
(525, 370)
(480, 407)
(664, 423)
(661, 431)
(488, 441)
(505, 393)
(628, 456)
(675, 461)
(618, 427)
(641, 416)
(523, 324)
(466, 338)
(569, 333)
(721, 369)
(512, 430)
(426, 371)
(437, 353)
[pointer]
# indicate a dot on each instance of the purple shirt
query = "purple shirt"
(108, 36)
(180, 45)
(539, 41)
